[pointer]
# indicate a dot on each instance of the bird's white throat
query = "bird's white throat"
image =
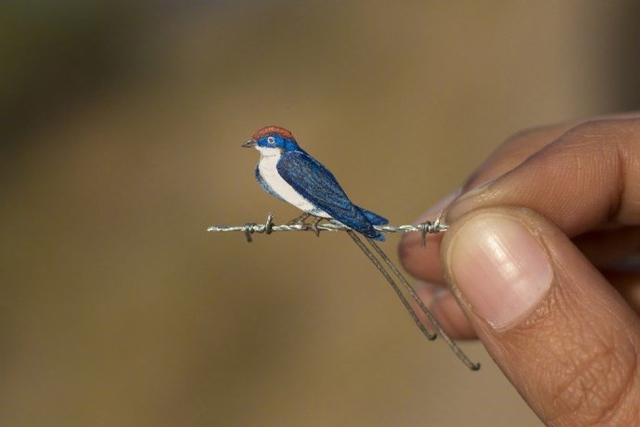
(268, 151)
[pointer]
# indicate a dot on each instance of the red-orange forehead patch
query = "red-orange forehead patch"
(272, 129)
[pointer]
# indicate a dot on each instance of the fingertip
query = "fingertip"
(421, 257)
(446, 310)
(421, 261)
(452, 316)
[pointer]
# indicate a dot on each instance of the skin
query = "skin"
(575, 187)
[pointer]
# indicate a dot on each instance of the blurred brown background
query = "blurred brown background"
(120, 130)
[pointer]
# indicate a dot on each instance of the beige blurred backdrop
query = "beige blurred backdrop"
(121, 127)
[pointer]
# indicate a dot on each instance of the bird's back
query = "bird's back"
(315, 183)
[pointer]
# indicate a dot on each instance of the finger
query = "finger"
(454, 321)
(446, 310)
(456, 324)
(423, 260)
(603, 247)
(517, 148)
(585, 178)
(419, 261)
(562, 335)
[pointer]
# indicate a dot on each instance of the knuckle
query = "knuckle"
(595, 383)
(587, 134)
(591, 125)
(525, 135)
(603, 132)
(592, 143)
(532, 139)
(513, 151)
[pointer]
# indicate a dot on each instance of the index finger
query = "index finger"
(423, 261)
(587, 177)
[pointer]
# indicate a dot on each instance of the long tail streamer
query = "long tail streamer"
(474, 366)
(380, 260)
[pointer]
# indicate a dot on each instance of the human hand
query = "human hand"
(539, 256)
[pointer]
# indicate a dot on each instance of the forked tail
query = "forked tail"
(388, 273)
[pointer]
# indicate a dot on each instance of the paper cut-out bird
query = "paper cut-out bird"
(289, 173)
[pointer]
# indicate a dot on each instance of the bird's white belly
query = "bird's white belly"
(268, 171)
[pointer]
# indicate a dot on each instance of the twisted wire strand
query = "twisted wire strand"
(268, 227)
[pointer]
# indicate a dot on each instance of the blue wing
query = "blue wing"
(374, 218)
(316, 184)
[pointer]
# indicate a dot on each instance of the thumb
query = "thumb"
(563, 336)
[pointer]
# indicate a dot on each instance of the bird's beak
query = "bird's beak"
(250, 143)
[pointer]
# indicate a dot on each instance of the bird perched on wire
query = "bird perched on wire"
(289, 173)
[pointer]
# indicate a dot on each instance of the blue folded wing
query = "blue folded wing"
(316, 184)
(374, 218)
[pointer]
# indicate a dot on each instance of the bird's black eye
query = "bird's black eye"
(271, 140)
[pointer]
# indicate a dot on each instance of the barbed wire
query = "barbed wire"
(268, 227)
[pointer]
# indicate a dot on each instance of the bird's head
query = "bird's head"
(272, 140)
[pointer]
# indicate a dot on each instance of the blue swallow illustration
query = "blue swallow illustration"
(289, 173)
